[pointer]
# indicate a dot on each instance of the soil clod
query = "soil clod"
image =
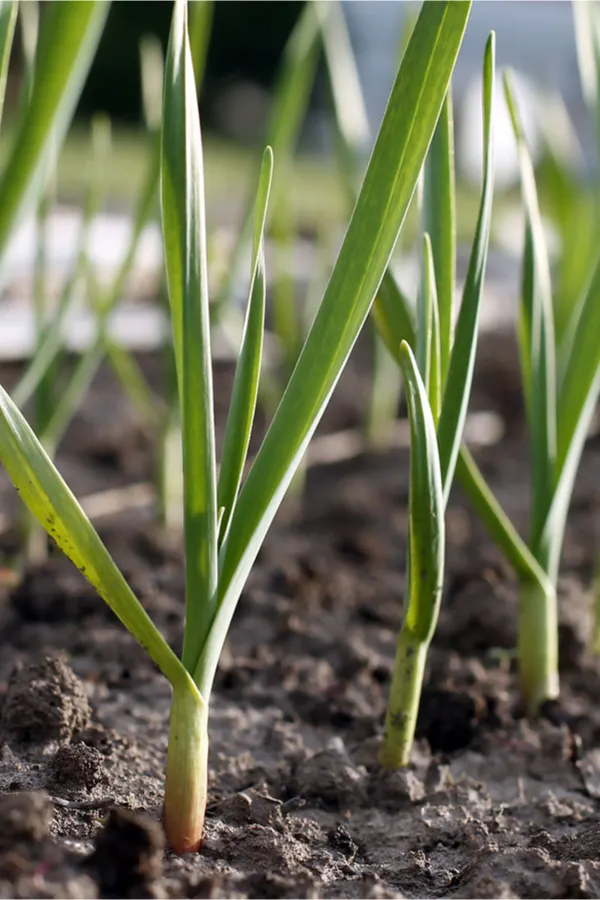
(331, 778)
(24, 818)
(78, 765)
(45, 702)
(128, 858)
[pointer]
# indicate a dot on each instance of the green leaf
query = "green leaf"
(536, 337)
(497, 522)
(201, 14)
(379, 213)
(284, 319)
(151, 77)
(51, 502)
(184, 231)
(581, 368)
(51, 343)
(353, 143)
(586, 19)
(69, 401)
(457, 388)
(69, 35)
(391, 310)
(29, 26)
(393, 315)
(424, 570)
(569, 205)
(148, 405)
(291, 94)
(89, 362)
(426, 295)
(247, 372)
(351, 116)
(439, 220)
(384, 396)
(426, 508)
(8, 19)
(577, 401)
(428, 330)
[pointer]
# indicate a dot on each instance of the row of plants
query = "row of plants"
(226, 507)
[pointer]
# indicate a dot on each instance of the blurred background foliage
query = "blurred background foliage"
(246, 44)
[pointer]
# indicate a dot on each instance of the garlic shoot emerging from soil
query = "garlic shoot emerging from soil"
(187, 762)
(538, 645)
(403, 707)
(227, 512)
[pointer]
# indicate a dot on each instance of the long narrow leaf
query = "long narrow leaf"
(457, 388)
(384, 395)
(497, 522)
(68, 38)
(380, 211)
(434, 386)
(89, 362)
(351, 116)
(397, 328)
(536, 336)
(577, 401)
(587, 41)
(70, 399)
(291, 94)
(428, 331)
(247, 372)
(184, 230)
(152, 67)
(8, 19)
(551, 538)
(424, 570)
(425, 313)
(52, 340)
(51, 502)
(426, 507)
(393, 314)
(439, 220)
(200, 26)
(581, 369)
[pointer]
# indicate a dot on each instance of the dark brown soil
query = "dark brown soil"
(493, 805)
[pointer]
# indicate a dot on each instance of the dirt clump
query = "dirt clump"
(45, 701)
(128, 858)
(79, 765)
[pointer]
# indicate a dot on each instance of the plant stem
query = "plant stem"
(538, 644)
(187, 763)
(403, 706)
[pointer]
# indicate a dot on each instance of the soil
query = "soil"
(493, 805)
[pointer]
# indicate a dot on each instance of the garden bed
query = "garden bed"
(494, 805)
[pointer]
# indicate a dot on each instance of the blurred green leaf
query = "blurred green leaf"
(291, 94)
(8, 19)
(536, 336)
(68, 38)
(439, 220)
